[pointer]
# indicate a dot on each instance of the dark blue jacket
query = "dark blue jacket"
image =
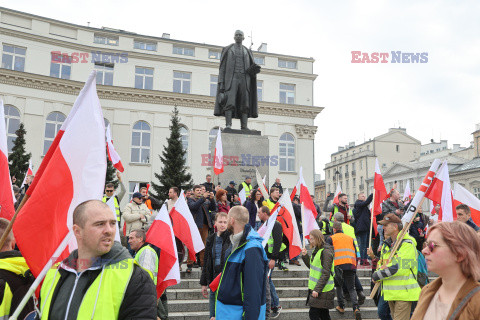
(361, 213)
(201, 210)
(473, 225)
(252, 211)
(242, 289)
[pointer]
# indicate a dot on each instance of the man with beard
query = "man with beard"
(341, 207)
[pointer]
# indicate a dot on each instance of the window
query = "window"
(287, 64)
(353, 166)
(184, 138)
(213, 85)
(13, 58)
(361, 165)
(287, 152)
(354, 182)
(368, 147)
(340, 170)
(143, 78)
(184, 51)
(53, 124)
(259, 60)
(12, 123)
(287, 93)
(60, 66)
(213, 54)
(212, 136)
(361, 180)
(346, 168)
(181, 82)
(260, 90)
(328, 172)
(100, 39)
(104, 73)
(397, 148)
(476, 192)
(140, 143)
(142, 45)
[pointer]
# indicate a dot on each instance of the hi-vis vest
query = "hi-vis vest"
(18, 266)
(270, 243)
(137, 259)
(247, 188)
(344, 249)
(117, 205)
(270, 204)
(102, 299)
(402, 286)
(316, 272)
(335, 210)
(350, 231)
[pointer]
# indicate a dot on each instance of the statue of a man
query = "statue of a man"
(237, 84)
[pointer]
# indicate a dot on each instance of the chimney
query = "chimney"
(166, 35)
(263, 47)
(351, 144)
(476, 140)
(341, 148)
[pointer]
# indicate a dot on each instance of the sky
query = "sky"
(436, 100)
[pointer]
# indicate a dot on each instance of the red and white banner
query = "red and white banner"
(462, 195)
(337, 193)
(74, 164)
(185, 227)
(286, 217)
(441, 192)
(218, 167)
(161, 235)
(407, 195)
(309, 214)
(381, 193)
(243, 196)
(7, 198)
(112, 153)
(261, 185)
(266, 229)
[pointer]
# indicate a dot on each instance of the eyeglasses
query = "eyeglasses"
(109, 190)
(432, 245)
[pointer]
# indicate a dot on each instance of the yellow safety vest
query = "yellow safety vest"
(117, 206)
(270, 204)
(6, 302)
(19, 266)
(316, 272)
(350, 231)
(402, 286)
(137, 259)
(270, 244)
(102, 299)
(248, 189)
(335, 210)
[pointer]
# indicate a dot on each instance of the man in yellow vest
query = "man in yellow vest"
(345, 261)
(15, 277)
(247, 185)
(274, 196)
(341, 207)
(110, 192)
(399, 278)
(99, 280)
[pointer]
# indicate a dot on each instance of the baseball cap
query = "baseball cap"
(390, 218)
(232, 182)
(137, 195)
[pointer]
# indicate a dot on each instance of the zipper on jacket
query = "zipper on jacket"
(77, 277)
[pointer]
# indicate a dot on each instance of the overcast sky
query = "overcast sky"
(438, 99)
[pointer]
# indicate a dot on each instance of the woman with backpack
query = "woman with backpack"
(452, 251)
(321, 286)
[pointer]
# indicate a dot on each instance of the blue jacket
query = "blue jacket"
(201, 210)
(242, 289)
(252, 211)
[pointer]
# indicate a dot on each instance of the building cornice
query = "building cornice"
(143, 56)
(306, 131)
(44, 83)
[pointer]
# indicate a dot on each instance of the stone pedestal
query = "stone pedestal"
(242, 153)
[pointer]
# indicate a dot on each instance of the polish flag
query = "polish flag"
(74, 164)
(185, 227)
(407, 195)
(243, 196)
(218, 167)
(266, 229)
(29, 173)
(261, 185)
(161, 235)
(295, 190)
(440, 192)
(462, 195)
(381, 193)
(286, 217)
(337, 193)
(309, 214)
(112, 153)
(7, 198)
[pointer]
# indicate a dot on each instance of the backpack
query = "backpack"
(422, 274)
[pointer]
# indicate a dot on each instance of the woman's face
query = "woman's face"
(258, 195)
(224, 197)
(313, 242)
(441, 259)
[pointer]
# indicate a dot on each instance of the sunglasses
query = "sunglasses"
(432, 245)
(108, 190)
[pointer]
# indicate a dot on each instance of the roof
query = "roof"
(452, 161)
(470, 165)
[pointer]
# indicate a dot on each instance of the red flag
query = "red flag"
(76, 165)
(161, 235)
(185, 227)
(112, 153)
(214, 284)
(7, 198)
(440, 192)
(379, 189)
(309, 213)
(286, 217)
(462, 195)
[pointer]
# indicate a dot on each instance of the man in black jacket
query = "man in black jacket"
(361, 213)
(98, 257)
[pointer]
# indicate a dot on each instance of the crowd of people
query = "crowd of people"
(104, 279)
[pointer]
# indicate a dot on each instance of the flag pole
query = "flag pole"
(303, 226)
(372, 216)
(42, 275)
(10, 223)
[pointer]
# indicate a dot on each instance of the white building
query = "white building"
(140, 78)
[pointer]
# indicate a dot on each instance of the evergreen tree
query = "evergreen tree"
(174, 173)
(18, 159)
(110, 175)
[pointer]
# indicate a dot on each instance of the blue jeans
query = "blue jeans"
(383, 309)
(380, 233)
(211, 302)
(258, 224)
(362, 238)
(273, 294)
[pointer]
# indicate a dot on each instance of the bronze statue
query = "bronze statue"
(237, 84)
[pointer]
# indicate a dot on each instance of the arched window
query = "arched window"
(184, 138)
(140, 143)
(12, 123)
(212, 136)
(53, 124)
(287, 152)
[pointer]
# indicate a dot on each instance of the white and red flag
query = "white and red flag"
(286, 216)
(7, 198)
(338, 191)
(29, 173)
(309, 214)
(243, 196)
(462, 195)
(295, 190)
(112, 153)
(185, 228)
(161, 235)
(266, 229)
(381, 193)
(74, 164)
(218, 167)
(441, 192)
(407, 195)
(261, 185)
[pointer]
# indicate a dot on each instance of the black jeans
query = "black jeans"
(318, 314)
(349, 280)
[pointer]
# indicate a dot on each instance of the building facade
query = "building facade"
(140, 79)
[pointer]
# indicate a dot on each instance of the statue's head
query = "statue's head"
(239, 37)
